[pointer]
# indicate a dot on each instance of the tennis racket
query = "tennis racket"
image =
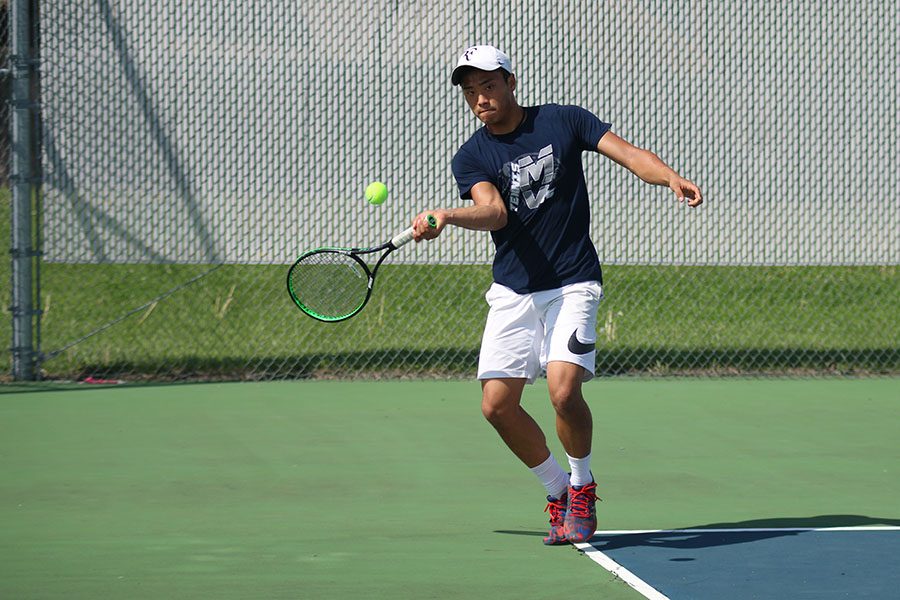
(334, 284)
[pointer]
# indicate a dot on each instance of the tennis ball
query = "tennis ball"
(376, 193)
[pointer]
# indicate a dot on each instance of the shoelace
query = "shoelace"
(582, 501)
(556, 509)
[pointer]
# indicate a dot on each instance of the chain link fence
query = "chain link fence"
(189, 152)
(5, 94)
(5, 206)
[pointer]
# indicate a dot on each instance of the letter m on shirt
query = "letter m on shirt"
(535, 177)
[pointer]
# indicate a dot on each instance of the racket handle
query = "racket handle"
(402, 238)
(406, 236)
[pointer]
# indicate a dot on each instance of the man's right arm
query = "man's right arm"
(486, 213)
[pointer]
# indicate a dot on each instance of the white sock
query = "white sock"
(552, 476)
(581, 470)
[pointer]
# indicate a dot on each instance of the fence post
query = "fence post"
(23, 185)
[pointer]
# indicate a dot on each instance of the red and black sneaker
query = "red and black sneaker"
(557, 510)
(581, 513)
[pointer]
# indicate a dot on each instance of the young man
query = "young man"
(523, 173)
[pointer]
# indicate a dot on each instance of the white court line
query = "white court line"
(641, 586)
(650, 592)
(747, 530)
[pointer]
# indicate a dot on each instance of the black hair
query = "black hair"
(466, 70)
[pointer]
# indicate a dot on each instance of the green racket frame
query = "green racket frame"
(395, 242)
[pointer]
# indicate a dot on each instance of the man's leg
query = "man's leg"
(501, 406)
(574, 425)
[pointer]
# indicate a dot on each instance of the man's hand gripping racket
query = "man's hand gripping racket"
(334, 284)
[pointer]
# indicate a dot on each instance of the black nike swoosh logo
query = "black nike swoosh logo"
(578, 347)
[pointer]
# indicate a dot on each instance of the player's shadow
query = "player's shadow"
(697, 538)
(754, 530)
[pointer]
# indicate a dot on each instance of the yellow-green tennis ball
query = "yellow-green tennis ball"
(376, 193)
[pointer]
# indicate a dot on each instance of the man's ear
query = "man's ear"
(512, 82)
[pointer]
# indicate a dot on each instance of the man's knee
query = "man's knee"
(495, 409)
(566, 398)
(500, 399)
(564, 382)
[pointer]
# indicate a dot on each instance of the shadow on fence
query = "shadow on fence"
(461, 363)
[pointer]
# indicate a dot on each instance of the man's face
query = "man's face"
(489, 96)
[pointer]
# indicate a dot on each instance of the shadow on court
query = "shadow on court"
(788, 526)
(785, 526)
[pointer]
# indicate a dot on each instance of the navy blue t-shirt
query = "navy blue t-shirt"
(537, 168)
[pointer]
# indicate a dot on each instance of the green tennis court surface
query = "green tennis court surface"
(401, 490)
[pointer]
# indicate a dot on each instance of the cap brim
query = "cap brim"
(460, 71)
(457, 75)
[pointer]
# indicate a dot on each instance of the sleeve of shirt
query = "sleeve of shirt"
(587, 127)
(467, 171)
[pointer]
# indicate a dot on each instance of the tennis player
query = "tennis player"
(523, 173)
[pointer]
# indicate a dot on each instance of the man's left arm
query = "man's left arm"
(648, 167)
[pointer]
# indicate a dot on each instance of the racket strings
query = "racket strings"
(330, 284)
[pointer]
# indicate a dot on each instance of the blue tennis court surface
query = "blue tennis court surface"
(707, 564)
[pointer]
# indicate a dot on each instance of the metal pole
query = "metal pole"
(23, 252)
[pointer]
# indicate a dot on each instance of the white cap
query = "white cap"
(486, 58)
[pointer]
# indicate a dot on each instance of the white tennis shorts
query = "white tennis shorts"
(524, 332)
